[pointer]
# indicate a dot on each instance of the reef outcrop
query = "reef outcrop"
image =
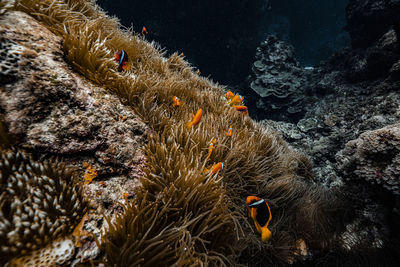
(55, 113)
(350, 124)
(279, 81)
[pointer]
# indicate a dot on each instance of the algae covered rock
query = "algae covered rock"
(374, 157)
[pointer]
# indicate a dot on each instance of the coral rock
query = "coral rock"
(374, 157)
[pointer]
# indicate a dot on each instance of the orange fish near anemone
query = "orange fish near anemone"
(122, 58)
(242, 109)
(176, 102)
(237, 99)
(144, 31)
(211, 146)
(229, 95)
(215, 168)
(260, 212)
(196, 119)
(229, 132)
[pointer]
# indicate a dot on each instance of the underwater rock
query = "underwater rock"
(374, 157)
(53, 109)
(55, 112)
(367, 19)
(278, 79)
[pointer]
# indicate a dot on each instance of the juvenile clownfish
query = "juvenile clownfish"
(215, 168)
(229, 95)
(211, 146)
(196, 119)
(176, 102)
(122, 58)
(237, 99)
(242, 109)
(229, 132)
(198, 72)
(144, 31)
(260, 212)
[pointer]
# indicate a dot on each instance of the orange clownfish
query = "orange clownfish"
(196, 119)
(211, 146)
(242, 109)
(260, 212)
(229, 95)
(215, 168)
(229, 132)
(198, 72)
(237, 99)
(122, 58)
(144, 31)
(176, 102)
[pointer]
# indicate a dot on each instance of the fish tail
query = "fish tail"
(189, 124)
(265, 234)
(206, 170)
(126, 66)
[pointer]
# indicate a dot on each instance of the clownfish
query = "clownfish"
(237, 99)
(229, 132)
(144, 31)
(242, 109)
(211, 146)
(229, 95)
(198, 72)
(260, 212)
(215, 168)
(196, 119)
(176, 102)
(122, 58)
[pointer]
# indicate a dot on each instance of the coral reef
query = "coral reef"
(39, 203)
(374, 157)
(278, 80)
(178, 214)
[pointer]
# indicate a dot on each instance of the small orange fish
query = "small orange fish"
(122, 58)
(215, 168)
(260, 212)
(198, 72)
(144, 31)
(90, 173)
(229, 95)
(229, 132)
(176, 102)
(211, 146)
(237, 99)
(182, 54)
(196, 119)
(242, 109)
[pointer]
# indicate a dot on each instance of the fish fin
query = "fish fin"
(189, 124)
(206, 170)
(126, 66)
(265, 234)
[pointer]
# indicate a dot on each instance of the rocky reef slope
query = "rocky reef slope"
(344, 114)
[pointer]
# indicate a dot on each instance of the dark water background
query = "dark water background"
(220, 36)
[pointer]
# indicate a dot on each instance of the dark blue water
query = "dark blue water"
(220, 37)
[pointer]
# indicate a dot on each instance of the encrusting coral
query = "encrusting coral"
(40, 201)
(181, 216)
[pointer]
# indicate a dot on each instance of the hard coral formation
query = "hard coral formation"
(374, 157)
(278, 79)
(39, 203)
(54, 254)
